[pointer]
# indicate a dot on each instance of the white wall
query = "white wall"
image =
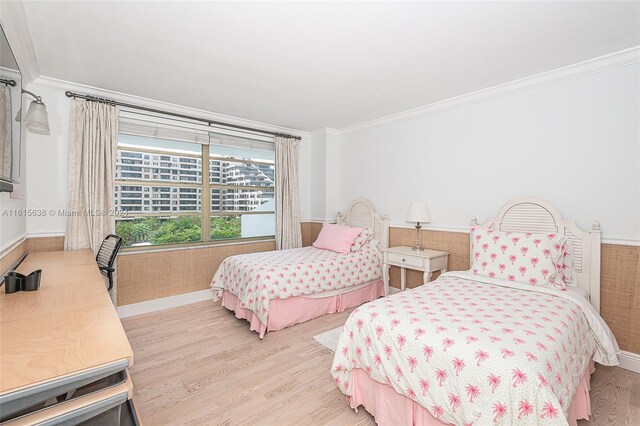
(13, 227)
(575, 143)
(333, 204)
(47, 155)
(324, 145)
(47, 165)
(304, 176)
(317, 171)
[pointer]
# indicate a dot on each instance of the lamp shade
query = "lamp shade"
(418, 212)
(37, 118)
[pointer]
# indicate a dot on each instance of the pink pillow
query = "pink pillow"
(336, 238)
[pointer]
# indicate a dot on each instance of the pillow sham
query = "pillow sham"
(361, 240)
(568, 268)
(336, 238)
(523, 257)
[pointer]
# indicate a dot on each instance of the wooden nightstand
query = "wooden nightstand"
(427, 261)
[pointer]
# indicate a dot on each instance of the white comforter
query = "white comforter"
(477, 352)
(257, 279)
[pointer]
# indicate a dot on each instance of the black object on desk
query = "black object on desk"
(15, 281)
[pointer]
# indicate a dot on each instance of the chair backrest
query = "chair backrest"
(108, 251)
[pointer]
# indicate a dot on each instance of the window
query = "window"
(242, 192)
(166, 200)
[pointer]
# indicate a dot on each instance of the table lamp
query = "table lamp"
(418, 212)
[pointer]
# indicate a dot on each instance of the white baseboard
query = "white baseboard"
(629, 361)
(10, 245)
(134, 309)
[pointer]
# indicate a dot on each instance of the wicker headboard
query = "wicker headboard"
(537, 216)
(361, 214)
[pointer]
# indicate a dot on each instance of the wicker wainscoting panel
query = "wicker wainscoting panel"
(305, 229)
(310, 231)
(620, 294)
(45, 244)
(148, 276)
(455, 243)
(152, 275)
(9, 257)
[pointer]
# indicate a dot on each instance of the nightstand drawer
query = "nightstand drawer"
(400, 259)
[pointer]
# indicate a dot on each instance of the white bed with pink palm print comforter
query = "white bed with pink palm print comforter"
(477, 350)
(258, 281)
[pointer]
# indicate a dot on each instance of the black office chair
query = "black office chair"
(107, 256)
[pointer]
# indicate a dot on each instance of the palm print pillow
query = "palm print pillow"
(363, 238)
(568, 270)
(528, 258)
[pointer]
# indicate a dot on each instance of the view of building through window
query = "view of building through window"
(160, 188)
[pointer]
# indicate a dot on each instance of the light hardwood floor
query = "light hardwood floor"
(198, 364)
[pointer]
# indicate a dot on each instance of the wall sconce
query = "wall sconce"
(37, 119)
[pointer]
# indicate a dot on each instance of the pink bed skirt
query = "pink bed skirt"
(390, 408)
(287, 312)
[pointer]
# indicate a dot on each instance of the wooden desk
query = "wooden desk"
(69, 326)
(124, 390)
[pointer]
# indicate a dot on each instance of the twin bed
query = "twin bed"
(485, 346)
(475, 348)
(277, 289)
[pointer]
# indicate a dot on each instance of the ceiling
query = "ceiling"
(311, 65)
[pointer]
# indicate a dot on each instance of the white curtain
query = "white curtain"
(93, 137)
(5, 132)
(288, 233)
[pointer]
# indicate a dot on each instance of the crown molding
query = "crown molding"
(581, 69)
(325, 131)
(63, 85)
(16, 29)
(316, 132)
(11, 73)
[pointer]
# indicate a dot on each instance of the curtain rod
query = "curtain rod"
(90, 98)
(11, 83)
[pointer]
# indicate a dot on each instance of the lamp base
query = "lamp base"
(417, 247)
